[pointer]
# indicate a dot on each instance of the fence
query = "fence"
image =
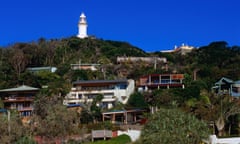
(101, 134)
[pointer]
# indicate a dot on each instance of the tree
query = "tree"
(86, 117)
(1, 104)
(52, 119)
(29, 78)
(11, 128)
(104, 61)
(50, 53)
(96, 107)
(79, 75)
(149, 98)
(25, 140)
(18, 61)
(164, 98)
(222, 109)
(171, 126)
(136, 100)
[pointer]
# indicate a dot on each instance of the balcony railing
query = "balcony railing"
(163, 82)
(18, 99)
(20, 108)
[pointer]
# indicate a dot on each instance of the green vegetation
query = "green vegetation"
(53, 118)
(25, 140)
(171, 126)
(122, 139)
(207, 64)
(11, 128)
(136, 100)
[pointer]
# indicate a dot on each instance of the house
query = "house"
(157, 81)
(20, 99)
(112, 90)
(235, 89)
(223, 86)
(39, 69)
(92, 67)
(143, 59)
(124, 116)
(183, 49)
(226, 86)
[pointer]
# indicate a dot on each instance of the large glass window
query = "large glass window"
(122, 86)
(79, 96)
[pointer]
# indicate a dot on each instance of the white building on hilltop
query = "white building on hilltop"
(82, 27)
(183, 49)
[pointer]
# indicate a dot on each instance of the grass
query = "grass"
(122, 139)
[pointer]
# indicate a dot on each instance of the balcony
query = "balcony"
(21, 109)
(25, 109)
(109, 99)
(18, 99)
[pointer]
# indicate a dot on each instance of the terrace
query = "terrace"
(156, 81)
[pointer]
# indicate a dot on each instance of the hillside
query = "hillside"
(60, 53)
(201, 68)
(210, 62)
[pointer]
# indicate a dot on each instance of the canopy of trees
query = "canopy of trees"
(171, 126)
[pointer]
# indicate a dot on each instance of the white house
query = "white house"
(112, 90)
(80, 66)
(183, 49)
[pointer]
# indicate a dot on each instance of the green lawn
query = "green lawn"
(122, 139)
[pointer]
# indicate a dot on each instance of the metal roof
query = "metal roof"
(20, 88)
(75, 105)
(124, 111)
(85, 64)
(237, 82)
(48, 68)
(99, 81)
(2, 110)
(224, 80)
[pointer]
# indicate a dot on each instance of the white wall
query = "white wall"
(134, 134)
(118, 93)
(214, 140)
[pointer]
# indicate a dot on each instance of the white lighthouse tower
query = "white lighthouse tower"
(82, 27)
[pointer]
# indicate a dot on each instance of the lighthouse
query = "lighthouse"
(82, 27)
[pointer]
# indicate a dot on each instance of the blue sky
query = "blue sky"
(151, 25)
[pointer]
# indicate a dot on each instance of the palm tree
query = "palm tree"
(223, 109)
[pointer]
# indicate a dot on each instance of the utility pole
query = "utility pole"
(155, 63)
(9, 126)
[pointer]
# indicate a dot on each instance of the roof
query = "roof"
(48, 68)
(82, 15)
(237, 82)
(124, 111)
(75, 105)
(99, 81)
(224, 80)
(85, 64)
(20, 88)
(2, 110)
